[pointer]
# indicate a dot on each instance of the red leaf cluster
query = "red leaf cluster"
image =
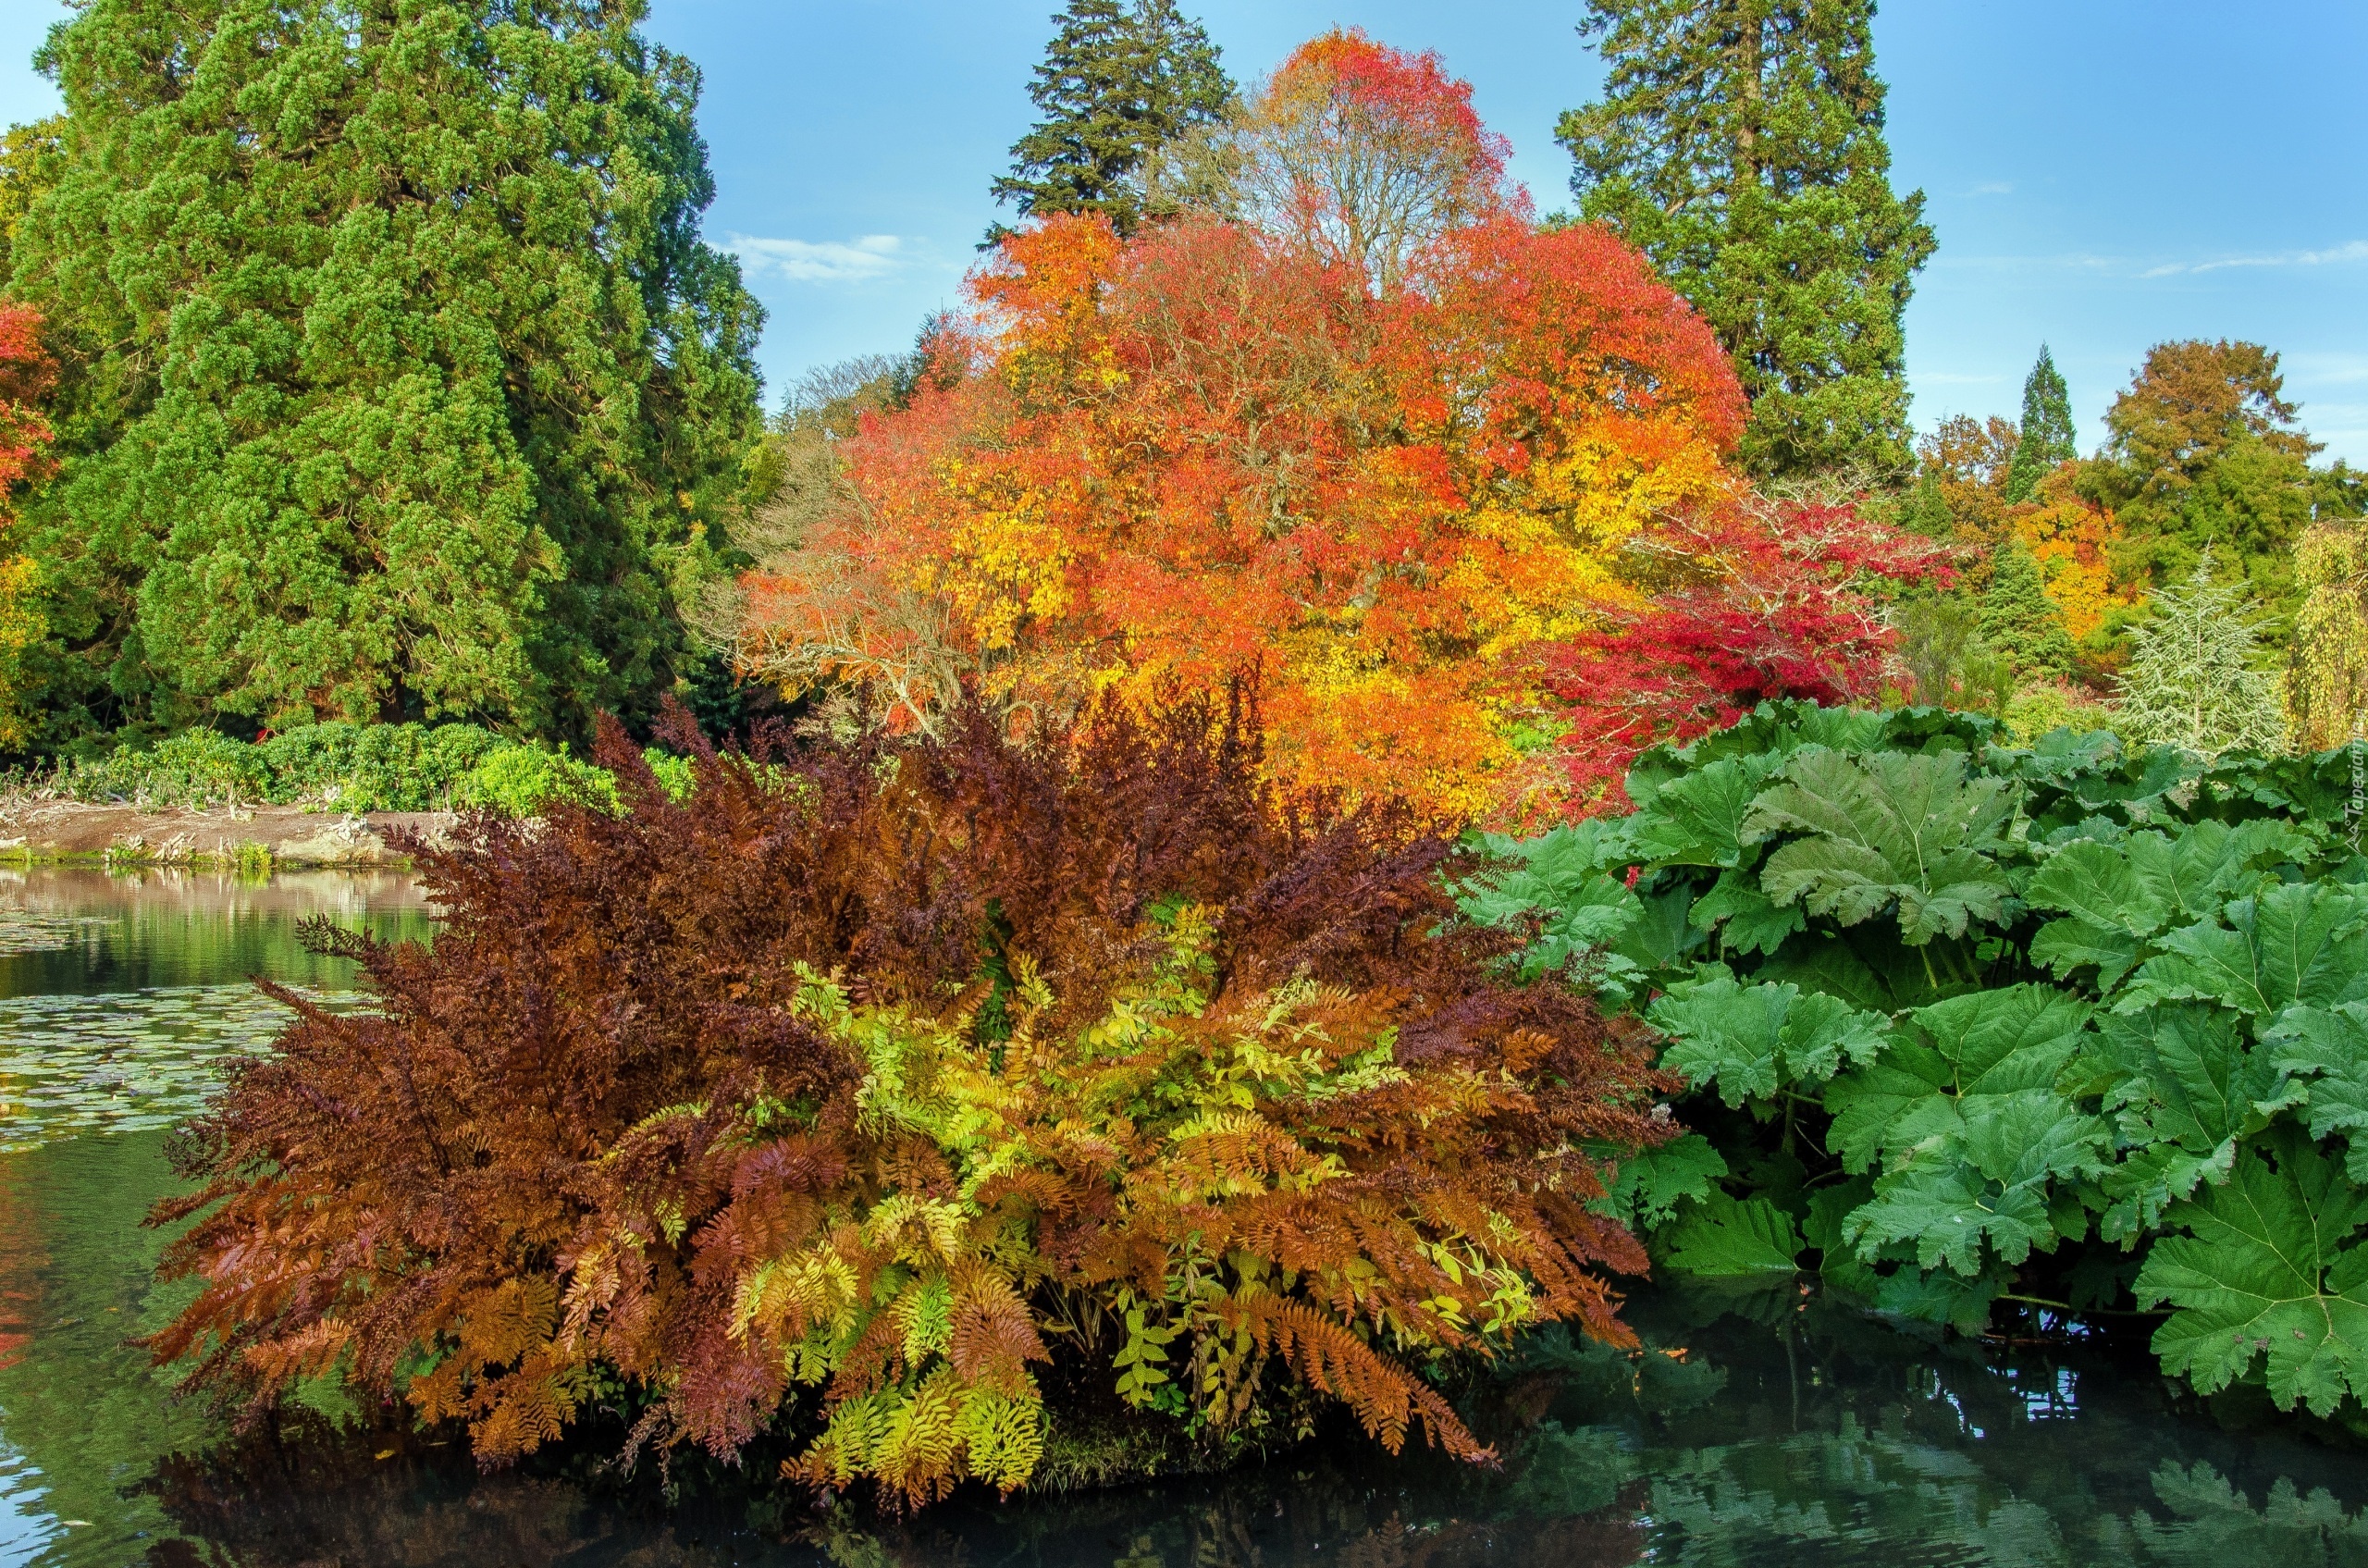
(1750, 603)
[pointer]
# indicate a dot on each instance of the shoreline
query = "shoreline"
(229, 837)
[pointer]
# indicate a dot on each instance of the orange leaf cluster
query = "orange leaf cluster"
(1209, 450)
(2075, 542)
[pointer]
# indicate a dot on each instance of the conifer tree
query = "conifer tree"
(1740, 144)
(1120, 78)
(2019, 621)
(2046, 432)
(399, 380)
(2191, 680)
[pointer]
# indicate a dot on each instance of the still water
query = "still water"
(1760, 1426)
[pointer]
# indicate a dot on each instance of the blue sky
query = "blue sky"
(2104, 174)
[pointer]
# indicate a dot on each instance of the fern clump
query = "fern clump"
(870, 1093)
(1973, 1029)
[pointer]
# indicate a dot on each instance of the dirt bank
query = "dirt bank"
(68, 830)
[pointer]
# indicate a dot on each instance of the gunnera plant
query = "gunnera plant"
(881, 1098)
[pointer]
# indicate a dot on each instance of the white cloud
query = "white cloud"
(2355, 251)
(1995, 188)
(821, 260)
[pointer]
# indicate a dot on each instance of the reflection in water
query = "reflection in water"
(1757, 1427)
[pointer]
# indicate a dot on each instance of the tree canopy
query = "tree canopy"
(399, 379)
(2045, 436)
(1118, 78)
(1740, 144)
(1452, 486)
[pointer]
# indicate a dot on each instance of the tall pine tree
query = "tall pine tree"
(2019, 621)
(1120, 78)
(1740, 144)
(2046, 439)
(399, 381)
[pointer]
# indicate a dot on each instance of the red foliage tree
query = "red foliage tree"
(1376, 439)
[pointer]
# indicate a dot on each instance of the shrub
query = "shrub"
(356, 768)
(521, 781)
(878, 1085)
(193, 768)
(2074, 1026)
(378, 767)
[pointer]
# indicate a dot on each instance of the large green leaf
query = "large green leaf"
(2184, 1091)
(2209, 863)
(1988, 1044)
(1885, 830)
(1724, 1236)
(1752, 923)
(2265, 1274)
(1541, 874)
(1582, 912)
(2098, 883)
(2116, 895)
(1750, 1041)
(1696, 819)
(1646, 1187)
(2295, 942)
(2329, 1048)
(1990, 1182)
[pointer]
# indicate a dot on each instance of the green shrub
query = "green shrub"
(358, 768)
(194, 768)
(2073, 1026)
(519, 781)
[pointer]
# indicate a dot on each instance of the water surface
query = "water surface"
(1768, 1426)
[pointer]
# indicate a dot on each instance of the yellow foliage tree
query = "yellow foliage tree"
(2327, 688)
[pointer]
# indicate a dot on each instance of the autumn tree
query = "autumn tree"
(26, 376)
(406, 385)
(1960, 491)
(1118, 78)
(2045, 438)
(2204, 452)
(1740, 144)
(1364, 152)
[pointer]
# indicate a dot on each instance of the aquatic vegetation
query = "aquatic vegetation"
(127, 1062)
(887, 1088)
(2074, 1026)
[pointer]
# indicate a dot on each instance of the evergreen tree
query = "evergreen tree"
(400, 380)
(1120, 78)
(1740, 144)
(2046, 432)
(2191, 680)
(2019, 621)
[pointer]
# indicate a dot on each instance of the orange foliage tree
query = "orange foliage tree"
(1359, 427)
(2077, 545)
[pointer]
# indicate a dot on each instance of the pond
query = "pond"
(1768, 1425)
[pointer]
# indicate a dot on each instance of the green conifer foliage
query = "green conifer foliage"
(1740, 144)
(2047, 438)
(2191, 681)
(2019, 621)
(1120, 78)
(406, 386)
